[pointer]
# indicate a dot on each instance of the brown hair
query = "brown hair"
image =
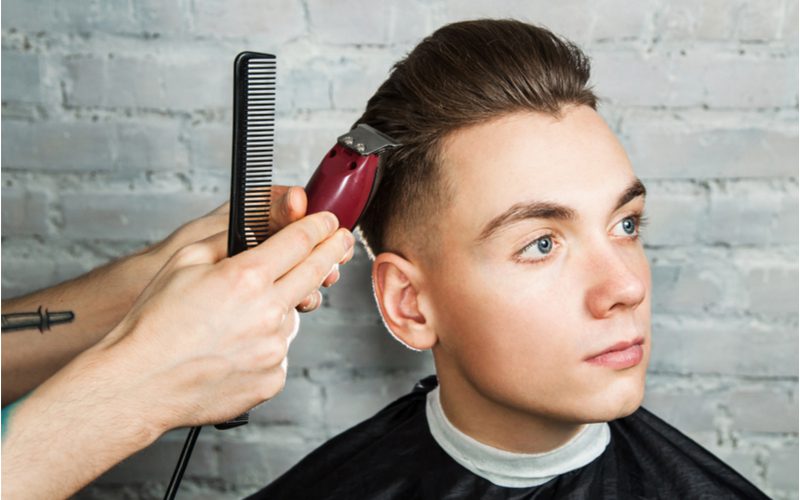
(463, 74)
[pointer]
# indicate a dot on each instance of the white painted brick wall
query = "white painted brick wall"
(116, 129)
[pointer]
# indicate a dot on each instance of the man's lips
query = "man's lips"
(619, 356)
(619, 346)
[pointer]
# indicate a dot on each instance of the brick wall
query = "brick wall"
(116, 128)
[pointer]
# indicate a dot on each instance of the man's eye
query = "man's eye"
(631, 225)
(538, 249)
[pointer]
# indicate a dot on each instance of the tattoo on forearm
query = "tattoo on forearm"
(28, 320)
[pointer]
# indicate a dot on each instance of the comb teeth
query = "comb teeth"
(259, 148)
(254, 133)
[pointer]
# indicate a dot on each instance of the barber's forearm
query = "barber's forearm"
(99, 300)
(73, 428)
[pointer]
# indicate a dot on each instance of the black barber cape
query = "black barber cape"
(394, 456)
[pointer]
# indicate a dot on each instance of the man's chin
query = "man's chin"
(625, 405)
(605, 406)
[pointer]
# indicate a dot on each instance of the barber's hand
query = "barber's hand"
(204, 342)
(289, 203)
(207, 339)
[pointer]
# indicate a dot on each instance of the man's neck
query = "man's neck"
(496, 424)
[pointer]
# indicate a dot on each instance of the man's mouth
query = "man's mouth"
(623, 354)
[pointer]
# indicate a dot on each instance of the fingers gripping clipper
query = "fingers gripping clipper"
(347, 177)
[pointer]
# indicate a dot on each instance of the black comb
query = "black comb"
(253, 147)
(251, 181)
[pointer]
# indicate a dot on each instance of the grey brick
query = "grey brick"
(676, 214)
(789, 26)
(689, 412)
(200, 82)
(351, 401)
(153, 16)
(276, 21)
(411, 22)
(763, 408)
(118, 216)
(299, 403)
(21, 77)
(357, 80)
(21, 276)
(743, 461)
(25, 212)
(156, 462)
(123, 81)
(24, 275)
(115, 81)
(58, 146)
(721, 20)
(96, 146)
(108, 16)
(760, 21)
(383, 22)
(572, 18)
(721, 153)
(684, 19)
(349, 22)
(111, 15)
(210, 146)
(743, 347)
(32, 16)
(327, 342)
(307, 87)
(687, 287)
(782, 468)
(751, 213)
(694, 77)
(772, 290)
(631, 20)
(150, 145)
(258, 459)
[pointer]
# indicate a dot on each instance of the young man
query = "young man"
(505, 238)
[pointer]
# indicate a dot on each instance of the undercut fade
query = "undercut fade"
(463, 74)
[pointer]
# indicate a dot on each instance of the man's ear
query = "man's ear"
(397, 286)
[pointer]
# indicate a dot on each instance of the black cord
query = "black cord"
(183, 461)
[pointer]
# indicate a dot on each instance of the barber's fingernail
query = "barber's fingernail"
(287, 201)
(331, 221)
(307, 305)
(349, 240)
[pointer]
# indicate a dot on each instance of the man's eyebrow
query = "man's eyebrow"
(550, 210)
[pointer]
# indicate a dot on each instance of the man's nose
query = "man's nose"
(616, 281)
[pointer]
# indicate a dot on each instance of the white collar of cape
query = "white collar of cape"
(509, 469)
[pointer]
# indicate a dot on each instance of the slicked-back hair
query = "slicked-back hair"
(463, 74)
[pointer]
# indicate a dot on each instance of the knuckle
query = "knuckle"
(190, 254)
(272, 351)
(267, 391)
(273, 384)
(251, 280)
(317, 270)
(305, 237)
(274, 314)
(246, 279)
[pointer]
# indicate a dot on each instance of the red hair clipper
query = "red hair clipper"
(347, 177)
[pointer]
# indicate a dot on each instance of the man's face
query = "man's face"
(520, 302)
